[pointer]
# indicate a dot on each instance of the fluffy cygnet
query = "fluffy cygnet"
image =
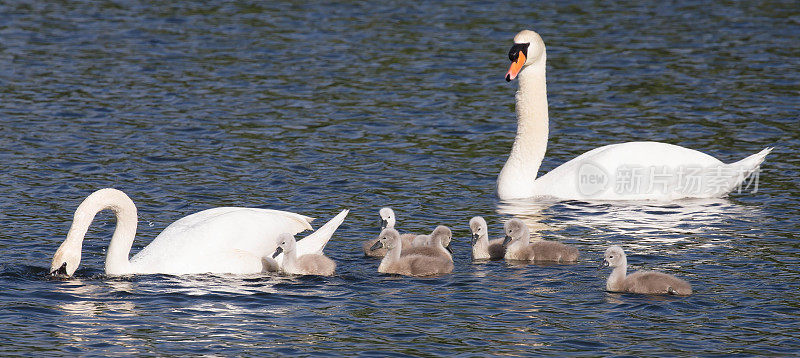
(644, 282)
(482, 248)
(408, 265)
(519, 247)
(309, 264)
(388, 219)
(435, 244)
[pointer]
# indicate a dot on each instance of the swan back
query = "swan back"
(422, 240)
(519, 247)
(218, 240)
(433, 247)
(544, 250)
(229, 240)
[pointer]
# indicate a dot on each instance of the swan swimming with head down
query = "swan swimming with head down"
(219, 240)
(601, 174)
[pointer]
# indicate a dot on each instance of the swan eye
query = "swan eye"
(513, 54)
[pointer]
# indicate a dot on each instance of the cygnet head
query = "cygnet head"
(516, 230)
(286, 244)
(528, 49)
(442, 234)
(387, 239)
(478, 227)
(614, 257)
(387, 218)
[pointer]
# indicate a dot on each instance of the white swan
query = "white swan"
(218, 240)
(625, 171)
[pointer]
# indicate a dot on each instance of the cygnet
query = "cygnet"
(519, 247)
(482, 247)
(408, 265)
(309, 264)
(644, 282)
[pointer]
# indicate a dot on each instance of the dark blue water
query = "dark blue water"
(314, 108)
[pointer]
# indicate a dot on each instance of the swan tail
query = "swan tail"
(744, 170)
(316, 241)
(752, 162)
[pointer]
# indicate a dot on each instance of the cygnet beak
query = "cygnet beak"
(278, 251)
(377, 245)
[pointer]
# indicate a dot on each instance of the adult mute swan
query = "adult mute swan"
(625, 171)
(219, 240)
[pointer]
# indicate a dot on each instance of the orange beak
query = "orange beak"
(516, 66)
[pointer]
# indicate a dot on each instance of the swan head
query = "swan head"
(528, 49)
(66, 259)
(444, 235)
(614, 257)
(478, 227)
(387, 218)
(515, 230)
(387, 239)
(286, 243)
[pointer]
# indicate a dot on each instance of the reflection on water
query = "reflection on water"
(642, 224)
(313, 107)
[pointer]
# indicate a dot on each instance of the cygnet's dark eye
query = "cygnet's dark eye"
(513, 54)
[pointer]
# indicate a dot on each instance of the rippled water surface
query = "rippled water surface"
(315, 108)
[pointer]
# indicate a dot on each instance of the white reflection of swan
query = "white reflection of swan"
(647, 223)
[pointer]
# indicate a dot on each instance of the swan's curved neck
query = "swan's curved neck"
(392, 255)
(290, 261)
(519, 172)
(483, 242)
(617, 276)
(118, 250)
